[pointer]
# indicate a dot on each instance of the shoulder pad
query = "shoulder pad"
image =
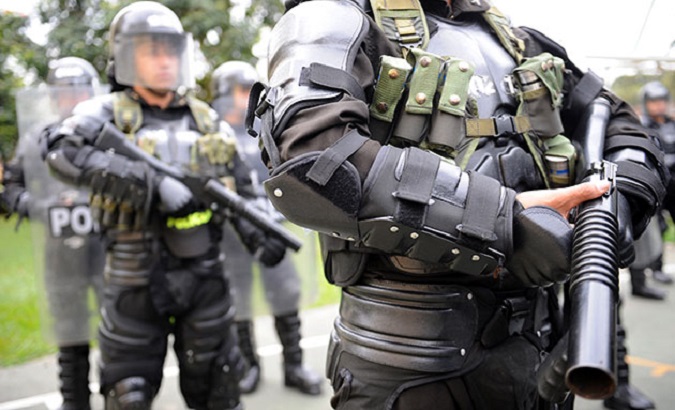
(326, 32)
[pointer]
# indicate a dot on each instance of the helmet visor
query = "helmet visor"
(158, 61)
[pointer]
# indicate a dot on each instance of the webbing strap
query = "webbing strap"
(324, 76)
(334, 156)
(415, 187)
(586, 90)
(502, 27)
(403, 22)
(630, 170)
(481, 209)
(495, 126)
(625, 141)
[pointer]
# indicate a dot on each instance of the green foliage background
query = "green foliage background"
(80, 28)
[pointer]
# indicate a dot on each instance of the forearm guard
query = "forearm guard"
(411, 204)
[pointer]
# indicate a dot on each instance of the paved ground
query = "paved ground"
(651, 327)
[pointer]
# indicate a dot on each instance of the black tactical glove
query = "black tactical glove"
(268, 249)
(121, 190)
(542, 245)
(15, 200)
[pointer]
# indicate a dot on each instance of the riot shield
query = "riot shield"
(68, 251)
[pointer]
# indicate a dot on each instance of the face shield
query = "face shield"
(64, 98)
(157, 61)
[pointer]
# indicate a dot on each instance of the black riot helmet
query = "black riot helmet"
(225, 79)
(655, 90)
(142, 32)
(71, 71)
(230, 74)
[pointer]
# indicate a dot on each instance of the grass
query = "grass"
(23, 310)
(21, 336)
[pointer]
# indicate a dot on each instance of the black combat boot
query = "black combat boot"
(295, 375)
(658, 274)
(74, 377)
(626, 397)
(249, 382)
(638, 281)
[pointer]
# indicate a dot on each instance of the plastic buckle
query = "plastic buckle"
(504, 125)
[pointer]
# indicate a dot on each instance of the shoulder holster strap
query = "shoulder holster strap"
(502, 27)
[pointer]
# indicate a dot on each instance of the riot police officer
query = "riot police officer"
(164, 267)
(417, 139)
(231, 83)
(64, 235)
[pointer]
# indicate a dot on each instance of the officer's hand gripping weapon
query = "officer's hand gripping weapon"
(209, 190)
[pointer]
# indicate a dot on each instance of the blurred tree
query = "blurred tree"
(19, 58)
(628, 87)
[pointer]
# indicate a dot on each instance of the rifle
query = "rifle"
(207, 189)
(593, 286)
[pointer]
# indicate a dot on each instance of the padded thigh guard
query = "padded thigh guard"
(329, 32)
(411, 204)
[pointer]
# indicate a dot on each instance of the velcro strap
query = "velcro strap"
(627, 141)
(416, 185)
(331, 159)
(495, 126)
(323, 76)
(584, 93)
(648, 181)
(481, 209)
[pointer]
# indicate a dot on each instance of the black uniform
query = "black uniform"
(444, 276)
(164, 270)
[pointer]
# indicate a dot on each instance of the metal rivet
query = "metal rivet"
(414, 235)
(455, 251)
(462, 352)
(382, 106)
(226, 368)
(538, 333)
(475, 258)
(393, 73)
(455, 99)
(351, 238)
(544, 65)
(463, 66)
(469, 296)
(425, 61)
(336, 234)
(394, 229)
(278, 193)
(421, 98)
(53, 155)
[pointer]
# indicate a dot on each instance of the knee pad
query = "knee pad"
(133, 393)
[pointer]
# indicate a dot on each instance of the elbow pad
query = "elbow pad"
(411, 204)
(641, 176)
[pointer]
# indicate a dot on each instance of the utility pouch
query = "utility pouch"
(539, 81)
(419, 105)
(343, 265)
(560, 157)
(214, 149)
(389, 89)
(448, 121)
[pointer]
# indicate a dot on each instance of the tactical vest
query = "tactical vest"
(438, 113)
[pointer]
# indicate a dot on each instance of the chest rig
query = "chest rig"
(205, 150)
(471, 99)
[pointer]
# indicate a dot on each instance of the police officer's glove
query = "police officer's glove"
(268, 249)
(121, 190)
(15, 200)
(542, 245)
(176, 198)
(626, 248)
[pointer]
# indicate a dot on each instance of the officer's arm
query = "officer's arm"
(14, 196)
